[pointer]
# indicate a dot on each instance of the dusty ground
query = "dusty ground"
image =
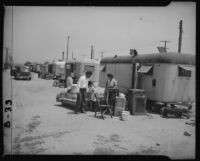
(43, 126)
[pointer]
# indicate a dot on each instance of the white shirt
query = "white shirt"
(83, 82)
(112, 83)
(69, 81)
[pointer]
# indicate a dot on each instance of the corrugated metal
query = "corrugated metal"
(144, 69)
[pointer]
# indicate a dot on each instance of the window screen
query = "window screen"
(183, 72)
(89, 68)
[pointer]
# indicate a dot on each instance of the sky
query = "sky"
(40, 33)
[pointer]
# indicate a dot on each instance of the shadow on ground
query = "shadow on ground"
(65, 106)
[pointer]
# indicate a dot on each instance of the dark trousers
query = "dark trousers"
(91, 105)
(81, 99)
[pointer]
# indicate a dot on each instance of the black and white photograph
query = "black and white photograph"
(97, 80)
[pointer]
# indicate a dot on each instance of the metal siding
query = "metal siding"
(123, 76)
(122, 73)
(163, 76)
(170, 77)
(185, 88)
(146, 84)
(110, 68)
(169, 87)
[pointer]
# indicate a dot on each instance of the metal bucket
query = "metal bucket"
(125, 115)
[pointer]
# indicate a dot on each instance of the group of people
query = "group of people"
(86, 90)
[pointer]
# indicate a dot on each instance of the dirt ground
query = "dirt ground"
(40, 125)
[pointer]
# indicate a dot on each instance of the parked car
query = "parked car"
(13, 71)
(22, 73)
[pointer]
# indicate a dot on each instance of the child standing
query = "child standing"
(90, 96)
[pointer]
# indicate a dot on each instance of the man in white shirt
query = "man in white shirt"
(82, 87)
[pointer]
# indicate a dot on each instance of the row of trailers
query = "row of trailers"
(60, 70)
(49, 70)
(166, 77)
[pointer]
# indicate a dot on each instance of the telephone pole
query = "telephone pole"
(165, 41)
(67, 45)
(63, 56)
(92, 52)
(102, 54)
(180, 35)
(72, 55)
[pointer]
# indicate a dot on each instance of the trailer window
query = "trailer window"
(102, 68)
(184, 71)
(150, 72)
(146, 70)
(89, 68)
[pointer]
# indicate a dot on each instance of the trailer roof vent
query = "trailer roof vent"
(133, 52)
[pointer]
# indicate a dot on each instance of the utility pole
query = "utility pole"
(180, 35)
(165, 41)
(67, 45)
(72, 55)
(63, 56)
(92, 52)
(102, 54)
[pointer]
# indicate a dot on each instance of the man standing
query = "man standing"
(110, 84)
(82, 86)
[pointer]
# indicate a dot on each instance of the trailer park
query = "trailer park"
(139, 97)
(147, 82)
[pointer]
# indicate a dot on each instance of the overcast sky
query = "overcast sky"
(40, 33)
